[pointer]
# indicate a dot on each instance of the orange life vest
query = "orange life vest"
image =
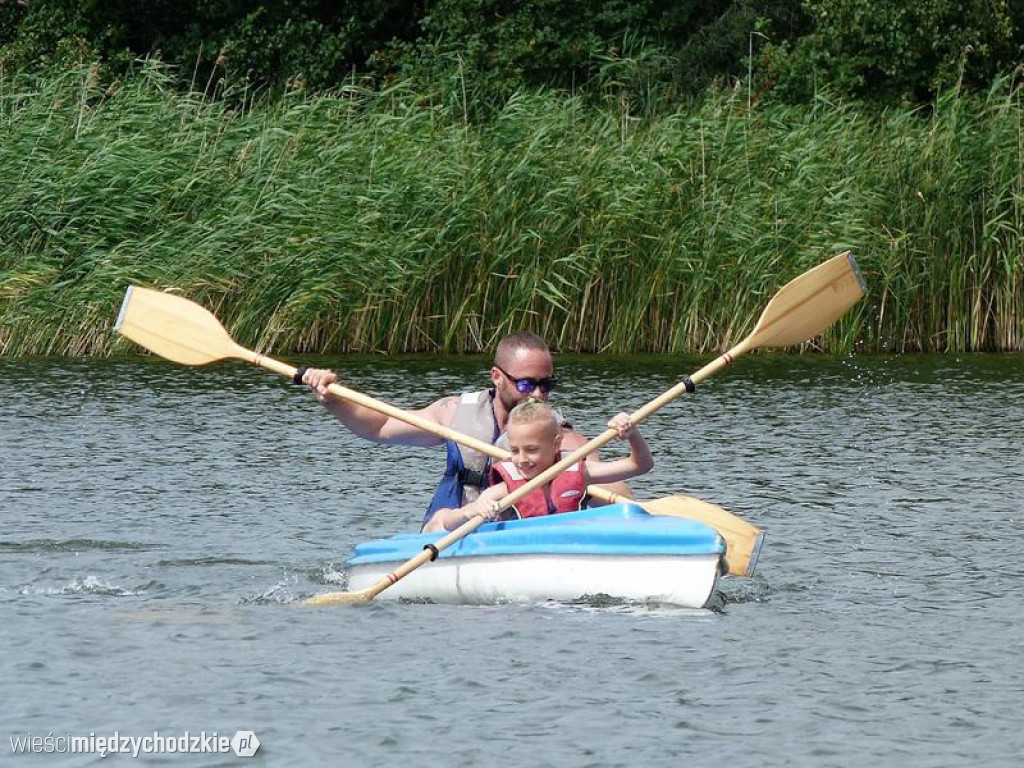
(566, 493)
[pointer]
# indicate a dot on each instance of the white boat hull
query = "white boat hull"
(687, 581)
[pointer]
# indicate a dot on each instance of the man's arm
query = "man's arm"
(378, 427)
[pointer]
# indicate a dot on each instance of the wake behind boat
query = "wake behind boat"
(620, 551)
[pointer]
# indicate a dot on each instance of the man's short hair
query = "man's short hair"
(514, 342)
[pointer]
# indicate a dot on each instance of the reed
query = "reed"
(384, 221)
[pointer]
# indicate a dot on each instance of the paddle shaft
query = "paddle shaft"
(373, 404)
(488, 449)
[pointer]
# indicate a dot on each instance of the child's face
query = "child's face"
(534, 446)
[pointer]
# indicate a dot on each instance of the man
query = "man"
(523, 368)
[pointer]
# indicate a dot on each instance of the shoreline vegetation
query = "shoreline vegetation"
(389, 221)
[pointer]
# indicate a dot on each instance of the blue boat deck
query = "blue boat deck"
(616, 529)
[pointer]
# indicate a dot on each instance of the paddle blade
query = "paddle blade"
(810, 303)
(173, 327)
(742, 540)
(338, 598)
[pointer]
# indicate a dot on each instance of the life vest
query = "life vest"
(467, 471)
(566, 493)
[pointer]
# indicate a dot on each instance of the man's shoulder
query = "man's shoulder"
(475, 397)
(445, 407)
(571, 439)
(442, 409)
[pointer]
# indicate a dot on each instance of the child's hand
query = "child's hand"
(492, 510)
(622, 424)
(488, 509)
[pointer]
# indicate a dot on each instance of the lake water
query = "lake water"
(159, 524)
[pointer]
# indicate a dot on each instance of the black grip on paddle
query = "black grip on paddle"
(688, 383)
(434, 551)
(299, 373)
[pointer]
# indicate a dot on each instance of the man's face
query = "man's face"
(532, 364)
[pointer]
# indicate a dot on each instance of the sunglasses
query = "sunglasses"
(526, 385)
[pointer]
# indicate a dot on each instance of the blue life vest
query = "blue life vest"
(467, 471)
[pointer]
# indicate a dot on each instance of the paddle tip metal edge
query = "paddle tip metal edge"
(856, 272)
(124, 308)
(755, 553)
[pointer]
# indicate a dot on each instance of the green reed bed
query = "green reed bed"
(386, 222)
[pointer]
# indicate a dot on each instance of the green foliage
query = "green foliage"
(641, 55)
(550, 42)
(897, 50)
(318, 42)
(381, 221)
(32, 34)
(644, 54)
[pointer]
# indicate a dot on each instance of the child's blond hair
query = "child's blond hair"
(533, 411)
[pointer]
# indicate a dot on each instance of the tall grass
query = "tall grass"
(384, 221)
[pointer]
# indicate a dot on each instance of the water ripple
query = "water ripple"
(161, 525)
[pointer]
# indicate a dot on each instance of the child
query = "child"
(535, 439)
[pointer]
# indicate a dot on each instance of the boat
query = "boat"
(618, 551)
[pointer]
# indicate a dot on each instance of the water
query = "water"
(158, 525)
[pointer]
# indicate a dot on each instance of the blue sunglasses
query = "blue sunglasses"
(526, 385)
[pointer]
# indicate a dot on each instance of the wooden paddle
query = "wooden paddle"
(183, 331)
(803, 308)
